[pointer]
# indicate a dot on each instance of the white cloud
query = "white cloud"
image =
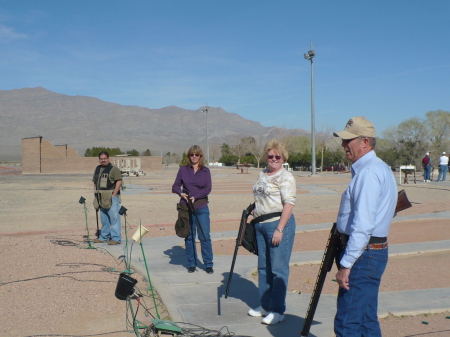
(9, 34)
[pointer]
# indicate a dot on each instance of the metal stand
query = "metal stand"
(123, 211)
(85, 211)
(136, 324)
(158, 325)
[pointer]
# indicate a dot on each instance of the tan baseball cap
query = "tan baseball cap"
(356, 127)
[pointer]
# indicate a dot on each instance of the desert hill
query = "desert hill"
(83, 122)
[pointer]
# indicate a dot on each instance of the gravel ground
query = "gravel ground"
(51, 286)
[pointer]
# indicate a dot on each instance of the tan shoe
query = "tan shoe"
(98, 241)
(112, 242)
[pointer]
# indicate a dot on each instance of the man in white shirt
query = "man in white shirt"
(365, 215)
(443, 166)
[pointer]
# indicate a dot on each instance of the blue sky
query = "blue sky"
(387, 60)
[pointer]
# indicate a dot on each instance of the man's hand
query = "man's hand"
(342, 277)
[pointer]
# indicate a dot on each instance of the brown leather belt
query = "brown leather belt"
(377, 246)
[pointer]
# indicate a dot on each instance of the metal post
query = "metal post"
(207, 140)
(310, 56)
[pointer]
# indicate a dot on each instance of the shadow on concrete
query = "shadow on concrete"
(292, 326)
(177, 255)
(240, 288)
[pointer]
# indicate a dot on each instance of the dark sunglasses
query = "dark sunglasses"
(348, 141)
(276, 157)
(194, 155)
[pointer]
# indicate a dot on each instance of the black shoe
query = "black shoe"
(191, 269)
(209, 270)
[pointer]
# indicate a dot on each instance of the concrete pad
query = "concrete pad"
(198, 298)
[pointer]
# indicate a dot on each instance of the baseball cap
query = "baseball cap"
(427, 154)
(356, 127)
(443, 153)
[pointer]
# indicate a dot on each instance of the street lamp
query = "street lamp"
(207, 141)
(309, 56)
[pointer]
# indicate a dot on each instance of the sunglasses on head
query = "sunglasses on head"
(270, 156)
(194, 155)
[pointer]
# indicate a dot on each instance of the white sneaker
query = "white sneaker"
(258, 312)
(273, 318)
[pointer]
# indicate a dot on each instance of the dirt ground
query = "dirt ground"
(50, 285)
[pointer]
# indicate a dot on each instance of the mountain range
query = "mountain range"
(83, 122)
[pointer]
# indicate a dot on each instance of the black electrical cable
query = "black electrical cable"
(54, 240)
(199, 331)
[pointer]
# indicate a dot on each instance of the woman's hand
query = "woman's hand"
(276, 238)
(184, 196)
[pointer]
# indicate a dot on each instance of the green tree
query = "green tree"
(146, 153)
(184, 159)
(133, 152)
(229, 160)
(225, 150)
(95, 151)
(249, 158)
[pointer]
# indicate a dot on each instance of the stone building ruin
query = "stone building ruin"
(41, 156)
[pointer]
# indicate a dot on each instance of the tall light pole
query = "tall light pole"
(309, 56)
(207, 140)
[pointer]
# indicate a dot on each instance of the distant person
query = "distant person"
(107, 183)
(193, 181)
(443, 167)
(365, 215)
(275, 193)
(426, 164)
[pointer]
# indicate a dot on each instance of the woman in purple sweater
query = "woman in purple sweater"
(194, 181)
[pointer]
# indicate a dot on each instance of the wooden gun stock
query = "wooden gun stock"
(402, 202)
(331, 251)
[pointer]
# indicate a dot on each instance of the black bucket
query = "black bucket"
(125, 286)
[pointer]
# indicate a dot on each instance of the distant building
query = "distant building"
(41, 156)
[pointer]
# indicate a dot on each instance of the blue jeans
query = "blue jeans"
(273, 264)
(203, 229)
(426, 172)
(443, 172)
(111, 222)
(357, 308)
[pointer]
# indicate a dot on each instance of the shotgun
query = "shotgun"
(243, 229)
